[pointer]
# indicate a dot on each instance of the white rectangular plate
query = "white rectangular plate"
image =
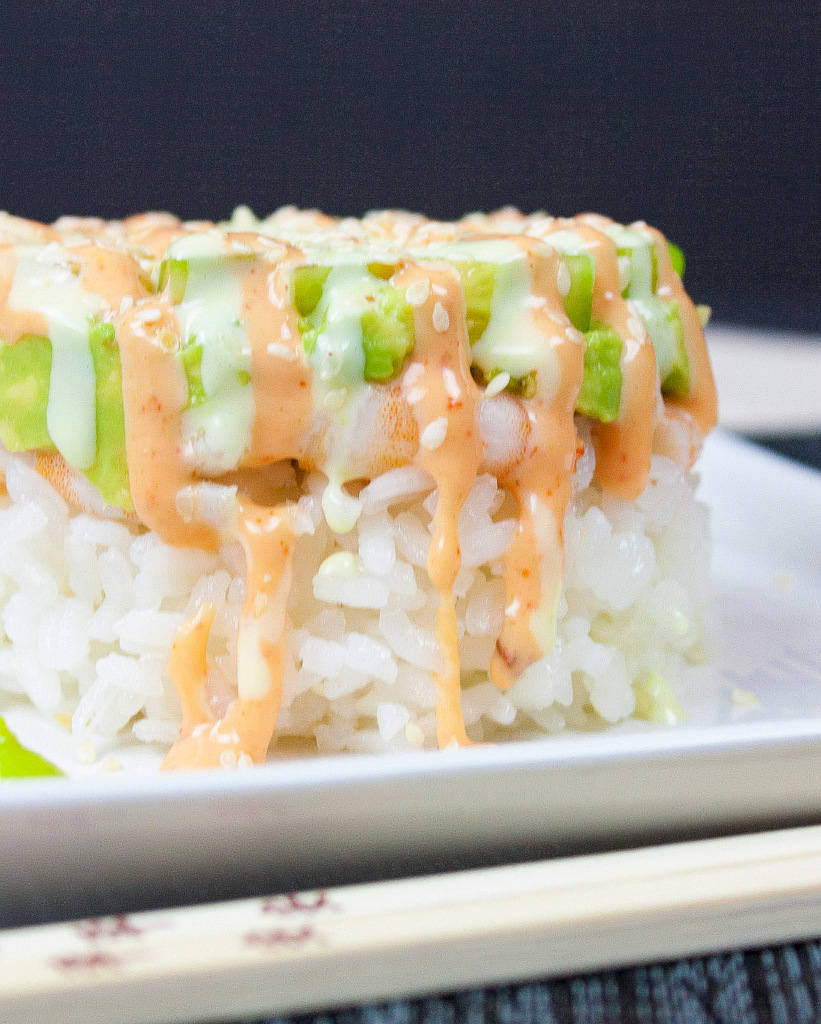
(123, 840)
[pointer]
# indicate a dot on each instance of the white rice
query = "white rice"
(90, 607)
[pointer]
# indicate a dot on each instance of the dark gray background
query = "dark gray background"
(702, 118)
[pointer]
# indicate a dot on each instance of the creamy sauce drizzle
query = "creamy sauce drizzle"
(442, 347)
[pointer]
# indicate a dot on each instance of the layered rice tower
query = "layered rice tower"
(348, 485)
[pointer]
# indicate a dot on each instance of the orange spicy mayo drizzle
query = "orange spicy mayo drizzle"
(624, 448)
(242, 734)
(438, 386)
(541, 484)
(701, 402)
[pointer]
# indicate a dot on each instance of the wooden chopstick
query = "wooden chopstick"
(381, 940)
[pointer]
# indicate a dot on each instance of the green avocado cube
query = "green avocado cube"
(174, 276)
(25, 377)
(307, 283)
(643, 266)
(578, 303)
(676, 258)
(25, 372)
(109, 471)
(18, 762)
(666, 330)
(387, 335)
(600, 395)
(478, 280)
(384, 271)
(522, 387)
(191, 357)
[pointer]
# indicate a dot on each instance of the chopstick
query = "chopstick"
(381, 940)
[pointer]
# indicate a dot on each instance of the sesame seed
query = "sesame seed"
(563, 280)
(497, 384)
(441, 320)
(285, 332)
(415, 394)
(439, 290)
(260, 604)
(280, 351)
(635, 327)
(434, 434)
(418, 292)
(244, 761)
(414, 373)
(86, 754)
(126, 303)
(111, 764)
(335, 399)
(664, 290)
(147, 316)
(608, 296)
(451, 383)
(228, 759)
(414, 734)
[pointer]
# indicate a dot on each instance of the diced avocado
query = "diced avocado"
(478, 280)
(18, 762)
(387, 335)
(191, 357)
(655, 701)
(643, 265)
(25, 371)
(663, 323)
(676, 258)
(384, 271)
(109, 471)
(307, 284)
(174, 276)
(192, 364)
(600, 395)
(578, 302)
(522, 387)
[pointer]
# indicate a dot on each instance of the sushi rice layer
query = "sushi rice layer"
(90, 608)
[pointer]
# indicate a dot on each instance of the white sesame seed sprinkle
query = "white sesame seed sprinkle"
(418, 292)
(415, 395)
(228, 759)
(434, 434)
(451, 384)
(563, 280)
(497, 384)
(665, 290)
(126, 303)
(147, 316)
(285, 332)
(608, 296)
(635, 327)
(86, 754)
(441, 320)
(280, 351)
(439, 290)
(414, 373)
